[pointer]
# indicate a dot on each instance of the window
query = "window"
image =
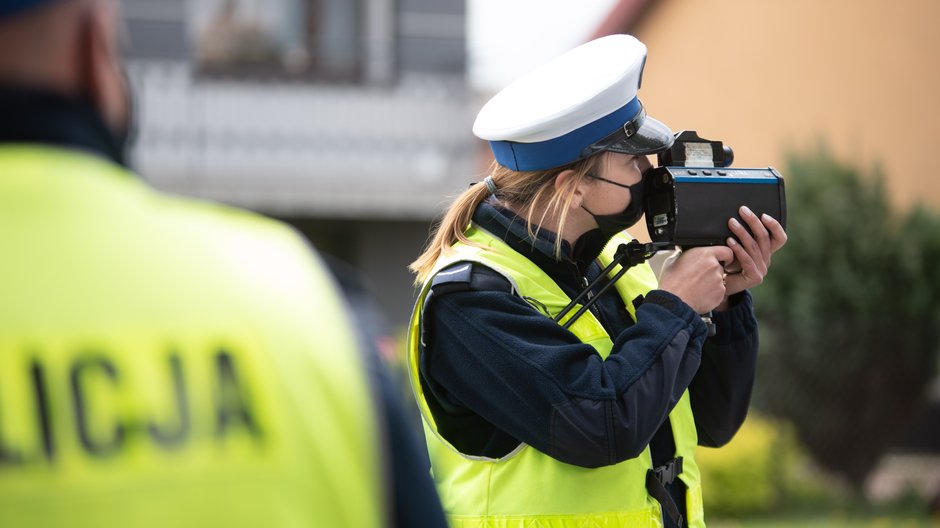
(319, 39)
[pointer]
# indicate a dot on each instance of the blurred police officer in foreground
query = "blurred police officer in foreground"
(164, 362)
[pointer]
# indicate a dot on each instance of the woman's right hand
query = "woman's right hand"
(697, 276)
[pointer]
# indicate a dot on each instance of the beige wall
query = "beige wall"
(766, 76)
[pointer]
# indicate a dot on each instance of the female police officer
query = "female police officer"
(529, 423)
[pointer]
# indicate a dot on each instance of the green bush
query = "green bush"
(762, 470)
(849, 315)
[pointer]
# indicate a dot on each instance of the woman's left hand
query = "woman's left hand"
(752, 250)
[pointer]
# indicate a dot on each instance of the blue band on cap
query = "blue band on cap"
(11, 7)
(562, 149)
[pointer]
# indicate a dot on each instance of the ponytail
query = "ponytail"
(450, 230)
(525, 190)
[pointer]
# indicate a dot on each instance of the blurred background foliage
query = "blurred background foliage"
(849, 346)
(849, 315)
(763, 470)
(764, 478)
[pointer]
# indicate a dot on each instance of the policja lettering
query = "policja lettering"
(92, 391)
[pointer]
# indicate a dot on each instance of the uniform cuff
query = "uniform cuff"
(738, 321)
(675, 306)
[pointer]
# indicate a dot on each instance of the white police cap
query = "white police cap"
(583, 102)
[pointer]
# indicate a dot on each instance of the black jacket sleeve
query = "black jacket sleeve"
(491, 354)
(720, 393)
(411, 497)
(414, 501)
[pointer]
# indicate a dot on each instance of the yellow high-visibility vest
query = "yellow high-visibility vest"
(170, 363)
(527, 488)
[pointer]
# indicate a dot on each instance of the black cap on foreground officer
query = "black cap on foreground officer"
(165, 362)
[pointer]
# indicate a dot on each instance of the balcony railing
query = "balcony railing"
(300, 148)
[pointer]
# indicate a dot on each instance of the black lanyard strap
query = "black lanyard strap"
(627, 255)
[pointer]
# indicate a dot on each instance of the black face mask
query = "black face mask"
(610, 225)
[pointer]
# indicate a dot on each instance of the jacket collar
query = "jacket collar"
(35, 116)
(511, 228)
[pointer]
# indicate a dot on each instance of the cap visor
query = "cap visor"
(653, 136)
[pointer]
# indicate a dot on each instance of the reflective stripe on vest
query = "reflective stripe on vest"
(168, 362)
(527, 488)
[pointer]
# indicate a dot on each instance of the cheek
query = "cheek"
(614, 202)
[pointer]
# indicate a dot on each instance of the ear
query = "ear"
(562, 182)
(100, 76)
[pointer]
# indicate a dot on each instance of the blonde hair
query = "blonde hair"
(523, 190)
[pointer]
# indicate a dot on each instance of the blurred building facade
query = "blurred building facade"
(768, 77)
(347, 118)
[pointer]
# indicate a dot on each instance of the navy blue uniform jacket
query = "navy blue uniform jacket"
(497, 372)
